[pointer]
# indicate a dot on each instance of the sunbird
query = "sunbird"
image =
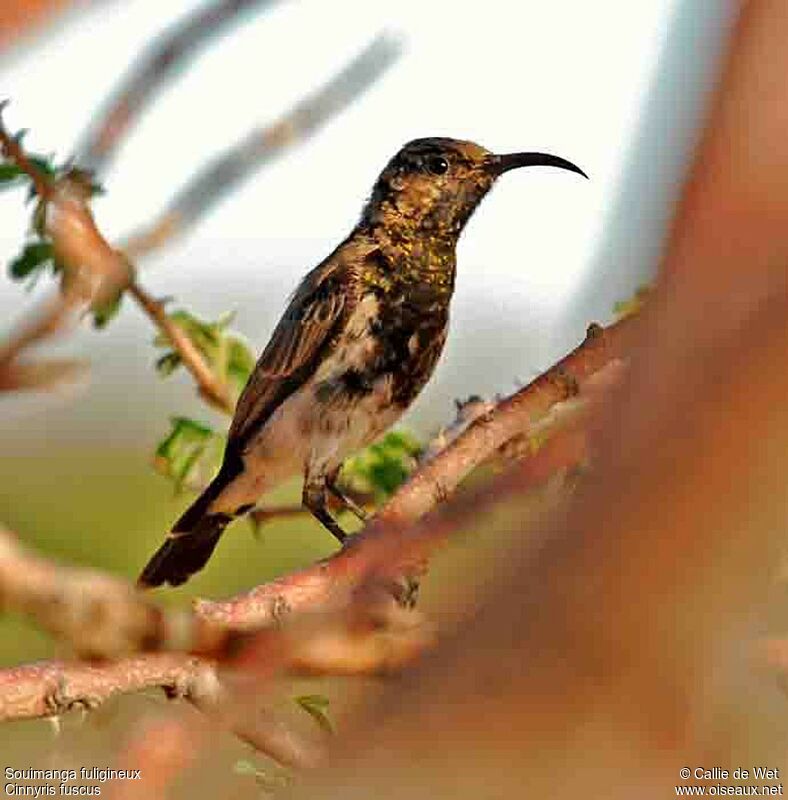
(357, 343)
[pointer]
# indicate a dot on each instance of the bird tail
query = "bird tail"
(188, 546)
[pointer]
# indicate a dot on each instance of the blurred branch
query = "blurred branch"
(259, 147)
(98, 615)
(613, 639)
(371, 636)
(169, 53)
(41, 374)
(53, 688)
(93, 269)
(20, 17)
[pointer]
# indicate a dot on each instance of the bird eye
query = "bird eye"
(436, 165)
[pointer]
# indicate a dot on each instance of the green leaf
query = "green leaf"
(168, 363)
(38, 220)
(240, 362)
(384, 466)
(190, 455)
(43, 165)
(226, 353)
(206, 336)
(12, 174)
(103, 314)
(9, 174)
(316, 705)
(34, 257)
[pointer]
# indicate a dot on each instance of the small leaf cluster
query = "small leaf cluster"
(12, 175)
(190, 454)
(316, 705)
(38, 255)
(225, 352)
(384, 466)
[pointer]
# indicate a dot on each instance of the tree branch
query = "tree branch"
(102, 269)
(98, 615)
(102, 616)
(391, 533)
(95, 273)
(53, 688)
(438, 478)
(353, 627)
(209, 387)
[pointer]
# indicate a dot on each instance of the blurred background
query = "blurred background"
(617, 87)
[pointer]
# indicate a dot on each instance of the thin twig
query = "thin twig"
(11, 149)
(210, 388)
(52, 316)
(262, 146)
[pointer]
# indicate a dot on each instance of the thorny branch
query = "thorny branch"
(372, 637)
(390, 544)
(49, 689)
(512, 417)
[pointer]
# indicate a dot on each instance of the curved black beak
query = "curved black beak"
(504, 163)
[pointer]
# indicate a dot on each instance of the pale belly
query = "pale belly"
(306, 436)
(320, 424)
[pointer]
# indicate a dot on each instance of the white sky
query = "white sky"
(567, 76)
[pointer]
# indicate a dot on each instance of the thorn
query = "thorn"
(593, 330)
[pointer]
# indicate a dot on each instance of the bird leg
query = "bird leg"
(346, 500)
(314, 499)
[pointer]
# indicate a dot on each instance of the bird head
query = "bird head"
(432, 186)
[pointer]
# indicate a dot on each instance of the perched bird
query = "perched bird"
(360, 338)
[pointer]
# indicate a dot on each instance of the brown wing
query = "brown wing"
(291, 355)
